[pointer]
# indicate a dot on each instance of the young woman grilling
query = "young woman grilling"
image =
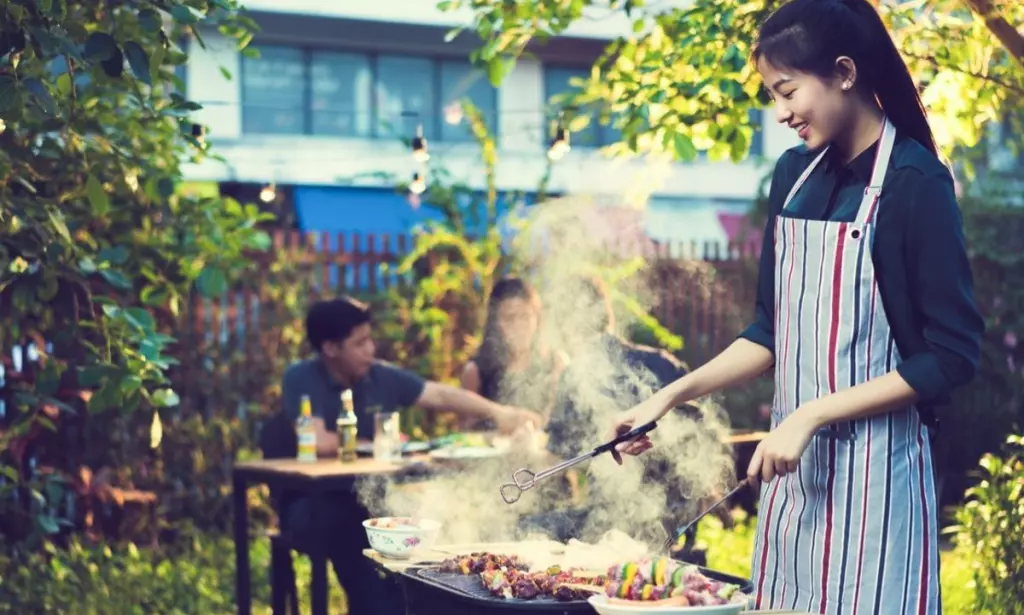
(865, 309)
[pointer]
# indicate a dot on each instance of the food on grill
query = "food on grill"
(476, 563)
(506, 576)
(665, 579)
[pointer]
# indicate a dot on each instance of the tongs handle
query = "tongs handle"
(630, 435)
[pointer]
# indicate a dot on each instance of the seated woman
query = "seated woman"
(512, 366)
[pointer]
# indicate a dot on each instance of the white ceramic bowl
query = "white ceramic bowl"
(603, 607)
(400, 537)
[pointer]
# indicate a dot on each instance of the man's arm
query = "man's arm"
(439, 397)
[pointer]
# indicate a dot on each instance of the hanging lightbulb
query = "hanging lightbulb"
(268, 193)
(559, 145)
(419, 145)
(3, 126)
(199, 133)
(417, 186)
(453, 114)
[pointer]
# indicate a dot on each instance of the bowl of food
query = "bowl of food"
(668, 587)
(400, 537)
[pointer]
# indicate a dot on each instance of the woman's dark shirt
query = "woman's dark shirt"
(919, 252)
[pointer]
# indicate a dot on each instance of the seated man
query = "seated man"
(339, 330)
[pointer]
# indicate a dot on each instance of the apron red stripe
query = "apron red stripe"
(766, 542)
(837, 296)
(833, 335)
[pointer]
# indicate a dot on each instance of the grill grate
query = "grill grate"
(470, 587)
(467, 589)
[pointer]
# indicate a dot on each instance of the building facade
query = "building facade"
(320, 113)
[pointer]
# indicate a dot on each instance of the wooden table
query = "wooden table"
(323, 476)
(441, 552)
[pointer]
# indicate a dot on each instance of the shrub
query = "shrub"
(991, 528)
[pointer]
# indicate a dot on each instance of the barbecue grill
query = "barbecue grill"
(430, 592)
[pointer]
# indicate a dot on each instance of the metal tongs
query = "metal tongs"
(523, 479)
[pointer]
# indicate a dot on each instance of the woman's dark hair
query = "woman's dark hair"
(809, 35)
(493, 355)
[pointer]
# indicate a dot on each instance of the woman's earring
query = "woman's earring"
(847, 85)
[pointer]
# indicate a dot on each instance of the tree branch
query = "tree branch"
(1010, 38)
(993, 80)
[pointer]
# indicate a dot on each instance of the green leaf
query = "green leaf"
(212, 282)
(130, 384)
(183, 14)
(57, 221)
(165, 398)
(141, 318)
(114, 65)
(498, 68)
(150, 20)
(165, 187)
(138, 61)
(100, 46)
(116, 278)
(109, 396)
(8, 92)
(115, 255)
(45, 5)
(684, 147)
(91, 376)
(87, 265)
(41, 94)
(48, 524)
(97, 196)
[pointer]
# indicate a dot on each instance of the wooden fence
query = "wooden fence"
(233, 349)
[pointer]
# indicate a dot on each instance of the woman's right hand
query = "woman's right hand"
(650, 410)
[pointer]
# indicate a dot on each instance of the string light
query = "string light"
(453, 114)
(199, 133)
(268, 193)
(3, 126)
(417, 186)
(419, 145)
(559, 144)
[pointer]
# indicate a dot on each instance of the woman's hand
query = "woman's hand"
(779, 453)
(644, 412)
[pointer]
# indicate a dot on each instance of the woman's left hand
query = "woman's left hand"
(779, 453)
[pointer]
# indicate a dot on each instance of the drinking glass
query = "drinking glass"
(387, 437)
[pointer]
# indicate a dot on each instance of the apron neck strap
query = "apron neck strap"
(873, 192)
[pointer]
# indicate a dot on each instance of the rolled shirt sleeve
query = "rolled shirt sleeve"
(941, 288)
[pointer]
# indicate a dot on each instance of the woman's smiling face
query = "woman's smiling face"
(818, 109)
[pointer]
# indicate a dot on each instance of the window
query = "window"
(274, 91)
(460, 81)
(556, 81)
(405, 86)
(340, 94)
(288, 90)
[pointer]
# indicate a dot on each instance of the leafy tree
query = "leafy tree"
(682, 81)
(97, 250)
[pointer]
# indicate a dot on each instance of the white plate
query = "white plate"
(467, 452)
(601, 605)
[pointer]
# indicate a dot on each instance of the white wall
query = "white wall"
(598, 24)
(522, 138)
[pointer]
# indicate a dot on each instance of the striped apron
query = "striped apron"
(853, 530)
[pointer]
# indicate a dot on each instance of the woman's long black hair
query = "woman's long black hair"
(809, 35)
(493, 355)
